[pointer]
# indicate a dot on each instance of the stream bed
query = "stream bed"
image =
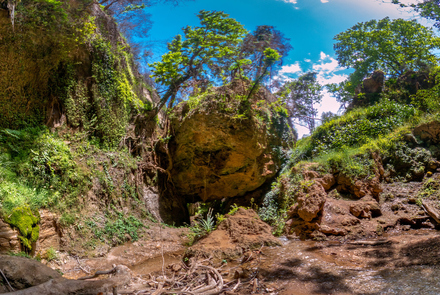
(401, 263)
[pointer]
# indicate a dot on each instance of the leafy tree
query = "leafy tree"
(328, 116)
(270, 57)
(343, 92)
(216, 41)
(393, 46)
(118, 6)
(254, 46)
(429, 9)
(300, 97)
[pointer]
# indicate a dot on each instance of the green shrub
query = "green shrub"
(358, 127)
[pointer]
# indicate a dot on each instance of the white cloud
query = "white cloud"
(291, 69)
(324, 1)
(307, 60)
(327, 68)
(331, 78)
(290, 1)
(330, 66)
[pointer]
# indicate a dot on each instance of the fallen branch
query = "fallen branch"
(98, 273)
(6, 279)
(79, 264)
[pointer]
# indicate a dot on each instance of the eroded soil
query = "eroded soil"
(401, 261)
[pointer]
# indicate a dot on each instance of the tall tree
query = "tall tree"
(393, 46)
(254, 46)
(215, 42)
(429, 9)
(343, 92)
(300, 97)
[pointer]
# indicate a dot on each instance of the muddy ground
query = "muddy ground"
(398, 262)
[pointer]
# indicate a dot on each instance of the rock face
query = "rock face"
(429, 132)
(24, 273)
(217, 152)
(49, 231)
(311, 203)
(8, 238)
(374, 83)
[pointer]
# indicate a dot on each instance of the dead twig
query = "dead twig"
(79, 264)
(236, 286)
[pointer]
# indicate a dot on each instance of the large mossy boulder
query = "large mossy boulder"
(225, 144)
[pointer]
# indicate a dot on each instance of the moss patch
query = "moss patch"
(26, 222)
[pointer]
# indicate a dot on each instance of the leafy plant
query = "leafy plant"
(213, 43)
(393, 46)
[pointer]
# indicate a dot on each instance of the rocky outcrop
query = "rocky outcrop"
(428, 132)
(8, 238)
(367, 93)
(49, 231)
(226, 146)
(311, 202)
(373, 84)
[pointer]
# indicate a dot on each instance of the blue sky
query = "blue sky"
(310, 25)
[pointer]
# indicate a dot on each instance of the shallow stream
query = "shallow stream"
(305, 267)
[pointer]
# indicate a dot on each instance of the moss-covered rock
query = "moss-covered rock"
(26, 222)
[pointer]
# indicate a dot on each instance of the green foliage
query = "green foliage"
(212, 44)
(271, 56)
(202, 228)
(393, 46)
(116, 230)
(26, 222)
(45, 34)
(37, 169)
(67, 219)
(350, 162)
(343, 92)
(300, 97)
(51, 254)
(254, 52)
(208, 224)
(357, 127)
(427, 100)
(429, 9)
(23, 254)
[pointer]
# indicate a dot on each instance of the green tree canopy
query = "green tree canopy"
(215, 42)
(429, 9)
(254, 46)
(300, 97)
(393, 46)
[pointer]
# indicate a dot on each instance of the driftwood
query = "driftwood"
(62, 286)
